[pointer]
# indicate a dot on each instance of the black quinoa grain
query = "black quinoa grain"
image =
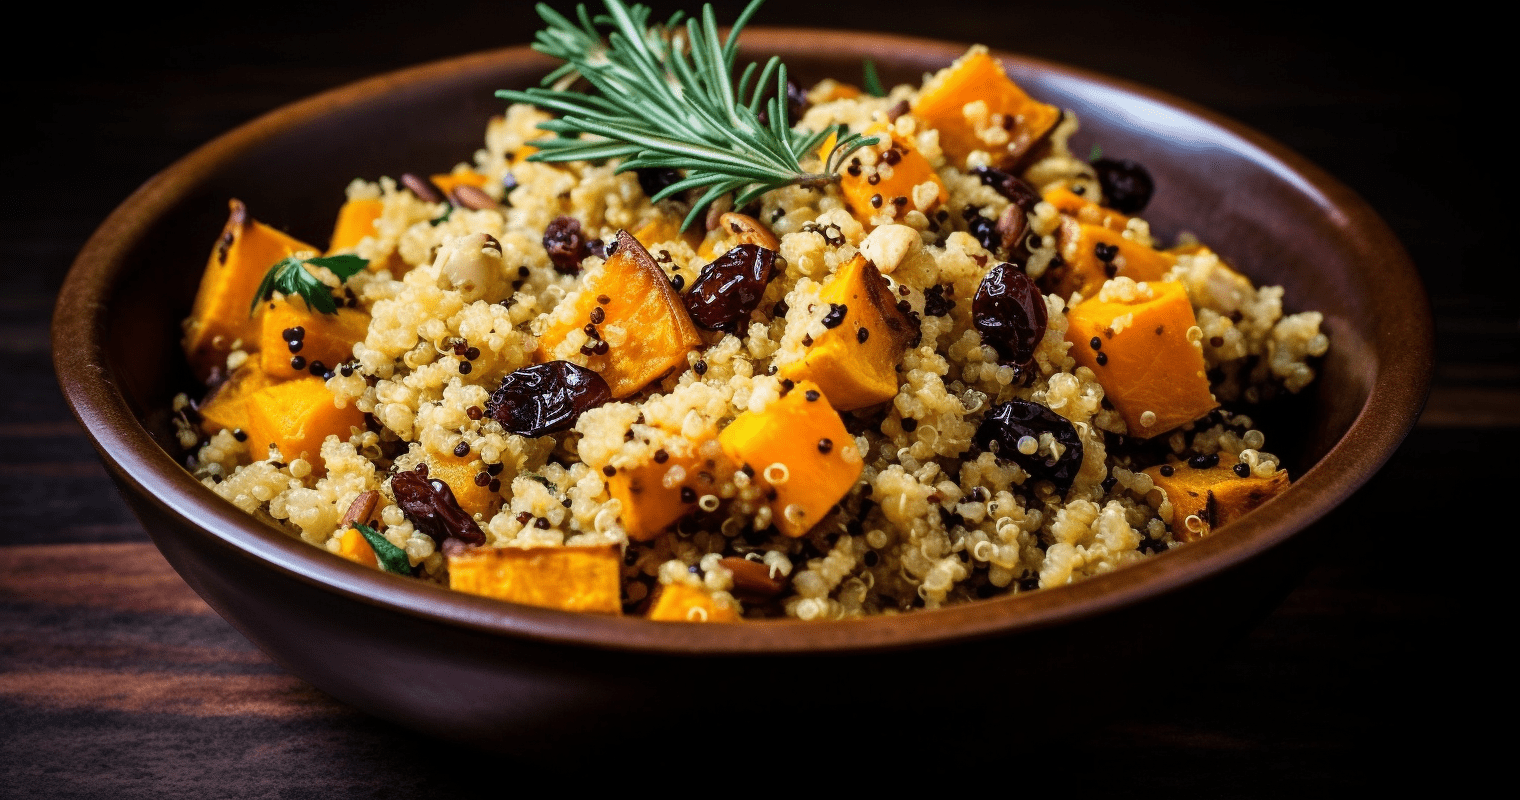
(541, 523)
(812, 395)
(871, 559)
(875, 201)
(825, 445)
(909, 424)
(1166, 470)
(1216, 341)
(609, 470)
(239, 434)
(1105, 252)
(873, 180)
(494, 469)
(1096, 343)
(523, 518)
(688, 494)
(1204, 462)
(1102, 359)
(462, 449)
(660, 456)
(495, 485)
(472, 353)
(835, 317)
(603, 299)
(598, 316)
(700, 367)
(474, 412)
(678, 282)
(317, 368)
(465, 367)
(482, 479)
(298, 363)
(1242, 470)
(601, 348)
(862, 335)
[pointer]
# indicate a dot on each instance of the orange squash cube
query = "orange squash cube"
(1085, 211)
(353, 546)
(568, 578)
(328, 338)
(1205, 499)
(800, 452)
(227, 405)
(1082, 270)
(242, 255)
(296, 417)
(887, 187)
(447, 182)
(678, 602)
(461, 474)
(856, 370)
(1010, 124)
(1150, 371)
(649, 506)
(644, 323)
(356, 220)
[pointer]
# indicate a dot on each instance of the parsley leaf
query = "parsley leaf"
(392, 558)
(290, 277)
(872, 80)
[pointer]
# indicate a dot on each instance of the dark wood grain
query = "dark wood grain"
(116, 680)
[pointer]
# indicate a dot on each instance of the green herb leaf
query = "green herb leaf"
(290, 277)
(1095, 154)
(872, 81)
(447, 212)
(653, 104)
(539, 478)
(392, 558)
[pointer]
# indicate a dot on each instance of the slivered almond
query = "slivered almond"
(744, 229)
(360, 510)
(752, 579)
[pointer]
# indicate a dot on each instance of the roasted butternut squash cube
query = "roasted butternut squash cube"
(242, 255)
(325, 338)
(889, 187)
(462, 475)
(328, 338)
(855, 362)
(657, 493)
(295, 417)
(1083, 249)
(227, 405)
(799, 452)
(353, 546)
(1205, 499)
(644, 323)
(448, 181)
(356, 220)
(1150, 370)
(678, 602)
(1007, 124)
(567, 578)
(1085, 211)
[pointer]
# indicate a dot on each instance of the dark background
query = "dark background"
(1366, 674)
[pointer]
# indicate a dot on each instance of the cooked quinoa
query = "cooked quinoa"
(933, 518)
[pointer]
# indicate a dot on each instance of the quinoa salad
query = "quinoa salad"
(957, 366)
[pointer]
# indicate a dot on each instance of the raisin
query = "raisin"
(566, 244)
(730, 287)
(1127, 186)
(546, 398)
(985, 231)
(1017, 191)
(1009, 312)
(431, 506)
(1000, 432)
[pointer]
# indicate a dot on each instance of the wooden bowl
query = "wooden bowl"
(497, 674)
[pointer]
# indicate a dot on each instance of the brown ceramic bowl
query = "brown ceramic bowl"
(471, 668)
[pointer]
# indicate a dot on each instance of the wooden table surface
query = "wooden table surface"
(115, 679)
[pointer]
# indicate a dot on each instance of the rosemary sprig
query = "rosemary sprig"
(290, 277)
(665, 97)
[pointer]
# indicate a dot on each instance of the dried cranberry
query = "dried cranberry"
(1009, 312)
(546, 398)
(730, 288)
(566, 244)
(1009, 422)
(653, 179)
(431, 506)
(1015, 190)
(1127, 186)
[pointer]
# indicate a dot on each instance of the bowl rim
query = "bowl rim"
(1394, 401)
